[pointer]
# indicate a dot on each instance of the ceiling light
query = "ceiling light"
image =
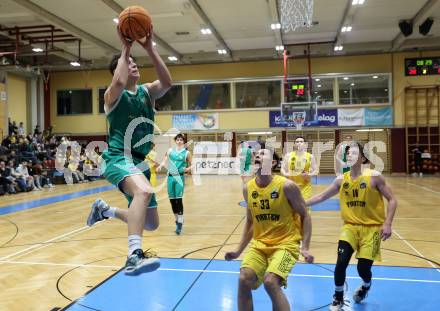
(317, 79)
(279, 48)
(386, 90)
(369, 130)
(345, 78)
(37, 50)
(115, 20)
(259, 133)
(275, 26)
(154, 43)
(221, 51)
(352, 84)
(75, 64)
(319, 85)
(375, 77)
(346, 29)
(172, 58)
(358, 2)
(206, 31)
(338, 48)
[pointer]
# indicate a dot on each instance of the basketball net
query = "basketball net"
(46, 76)
(298, 119)
(296, 14)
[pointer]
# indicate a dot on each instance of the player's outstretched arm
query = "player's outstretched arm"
(298, 205)
(247, 232)
(159, 87)
(164, 163)
(120, 76)
(386, 191)
(326, 194)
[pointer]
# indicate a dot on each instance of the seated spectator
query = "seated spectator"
(7, 182)
(21, 182)
(23, 173)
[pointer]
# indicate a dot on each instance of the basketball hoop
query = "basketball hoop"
(46, 76)
(298, 118)
(296, 14)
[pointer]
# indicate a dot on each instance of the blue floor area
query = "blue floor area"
(329, 205)
(40, 202)
(322, 180)
(175, 287)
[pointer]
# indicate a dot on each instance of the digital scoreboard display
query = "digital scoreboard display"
(297, 90)
(425, 66)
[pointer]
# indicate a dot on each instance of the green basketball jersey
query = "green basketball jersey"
(129, 107)
(177, 161)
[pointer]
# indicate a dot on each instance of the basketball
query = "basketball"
(135, 23)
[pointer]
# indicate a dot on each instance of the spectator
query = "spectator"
(21, 131)
(37, 130)
(21, 182)
(23, 173)
(7, 182)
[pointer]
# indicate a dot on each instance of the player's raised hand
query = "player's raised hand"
(147, 42)
(125, 41)
(232, 255)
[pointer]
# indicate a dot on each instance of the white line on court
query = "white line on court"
(43, 245)
(414, 249)
(212, 271)
(424, 188)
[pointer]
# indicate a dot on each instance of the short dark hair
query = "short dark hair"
(114, 62)
(361, 150)
(180, 136)
(300, 136)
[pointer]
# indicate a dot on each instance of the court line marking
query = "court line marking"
(424, 188)
(47, 242)
(211, 271)
(40, 246)
(414, 249)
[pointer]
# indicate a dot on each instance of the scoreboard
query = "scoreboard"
(425, 66)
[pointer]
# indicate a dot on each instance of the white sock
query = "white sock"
(180, 219)
(111, 212)
(339, 288)
(366, 285)
(176, 216)
(134, 242)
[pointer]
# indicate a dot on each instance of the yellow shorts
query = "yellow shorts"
(263, 259)
(365, 240)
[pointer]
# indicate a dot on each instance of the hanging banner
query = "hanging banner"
(207, 121)
(378, 116)
(351, 117)
(326, 117)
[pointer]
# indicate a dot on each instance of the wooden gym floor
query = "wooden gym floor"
(49, 257)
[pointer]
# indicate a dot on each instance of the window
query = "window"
(258, 94)
(209, 96)
(172, 100)
(323, 91)
(74, 101)
(101, 92)
(368, 89)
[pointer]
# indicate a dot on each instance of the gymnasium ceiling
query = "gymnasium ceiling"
(241, 27)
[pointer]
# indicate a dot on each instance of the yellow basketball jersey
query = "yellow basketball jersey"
(272, 213)
(298, 165)
(151, 157)
(361, 204)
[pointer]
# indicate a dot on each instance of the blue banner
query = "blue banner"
(326, 117)
(378, 116)
(202, 121)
